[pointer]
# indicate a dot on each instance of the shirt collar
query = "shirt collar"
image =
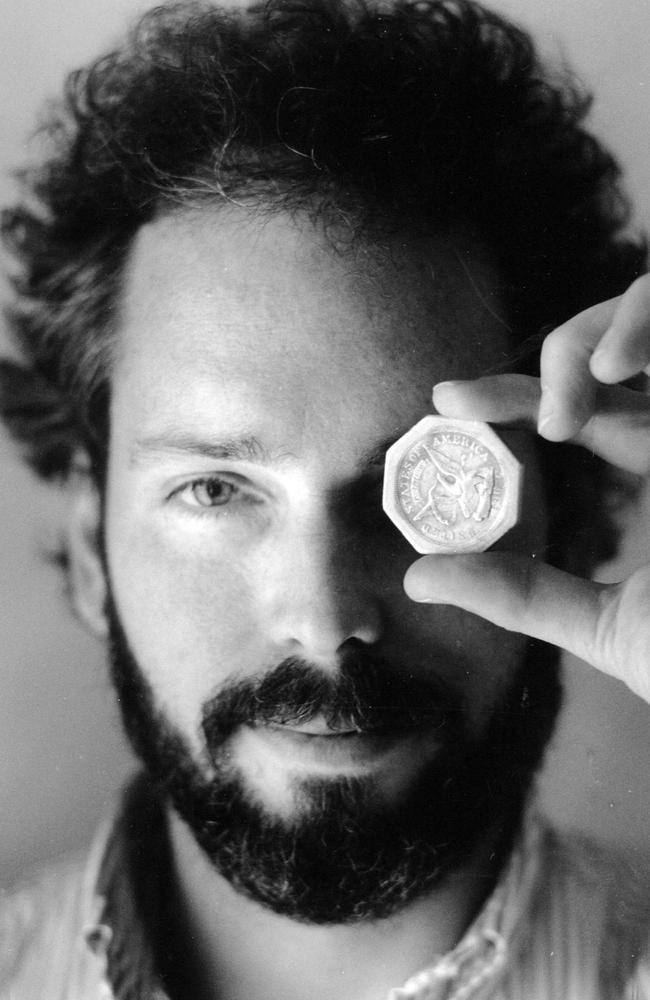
(482, 953)
(128, 867)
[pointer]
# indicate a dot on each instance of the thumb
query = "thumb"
(515, 592)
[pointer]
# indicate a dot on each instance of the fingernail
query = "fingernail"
(440, 385)
(444, 385)
(423, 600)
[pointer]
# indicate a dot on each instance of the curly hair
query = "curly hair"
(434, 112)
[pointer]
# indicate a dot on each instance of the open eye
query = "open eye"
(210, 492)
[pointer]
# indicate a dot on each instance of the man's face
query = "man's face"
(259, 378)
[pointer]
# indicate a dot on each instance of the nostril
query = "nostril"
(322, 624)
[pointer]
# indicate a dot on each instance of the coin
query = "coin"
(451, 486)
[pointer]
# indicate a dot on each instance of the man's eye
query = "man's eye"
(211, 492)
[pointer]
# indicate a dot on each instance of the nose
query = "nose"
(322, 595)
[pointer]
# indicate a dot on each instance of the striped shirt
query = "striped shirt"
(567, 921)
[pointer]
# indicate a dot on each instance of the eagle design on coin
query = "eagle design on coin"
(451, 486)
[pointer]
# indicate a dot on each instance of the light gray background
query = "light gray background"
(61, 752)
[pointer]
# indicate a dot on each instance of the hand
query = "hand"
(576, 399)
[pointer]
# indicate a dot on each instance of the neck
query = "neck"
(229, 946)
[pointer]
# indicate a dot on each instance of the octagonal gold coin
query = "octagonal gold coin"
(451, 486)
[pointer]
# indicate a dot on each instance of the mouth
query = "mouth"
(318, 726)
(315, 745)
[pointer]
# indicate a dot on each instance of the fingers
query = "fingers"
(624, 349)
(618, 430)
(603, 345)
(606, 625)
(576, 399)
(497, 399)
(568, 385)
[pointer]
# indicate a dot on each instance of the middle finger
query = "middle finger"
(568, 386)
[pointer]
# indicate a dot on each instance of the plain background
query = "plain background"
(61, 752)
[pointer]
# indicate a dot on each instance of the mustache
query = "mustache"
(366, 693)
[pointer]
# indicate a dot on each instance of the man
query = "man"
(260, 240)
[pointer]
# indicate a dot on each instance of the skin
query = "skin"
(233, 329)
(577, 399)
(282, 343)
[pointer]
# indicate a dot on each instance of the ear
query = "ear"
(87, 580)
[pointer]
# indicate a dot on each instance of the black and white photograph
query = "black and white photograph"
(324, 505)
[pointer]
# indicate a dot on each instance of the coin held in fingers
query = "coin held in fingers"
(451, 486)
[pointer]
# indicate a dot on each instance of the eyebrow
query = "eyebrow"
(247, 448)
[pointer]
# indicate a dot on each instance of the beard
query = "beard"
(346, 855)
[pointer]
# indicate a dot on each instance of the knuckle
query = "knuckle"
(558, 340)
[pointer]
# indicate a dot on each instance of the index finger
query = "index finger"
(510, 400)
(618, 430)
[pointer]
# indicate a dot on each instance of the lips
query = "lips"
(319, 726)
(315, 745)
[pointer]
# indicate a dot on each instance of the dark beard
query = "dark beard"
(348, 856)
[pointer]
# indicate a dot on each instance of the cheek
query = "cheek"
(189, 618)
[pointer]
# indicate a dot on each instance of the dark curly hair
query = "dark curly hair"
(436, 113)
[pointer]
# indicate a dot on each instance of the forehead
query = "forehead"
(225, 309)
